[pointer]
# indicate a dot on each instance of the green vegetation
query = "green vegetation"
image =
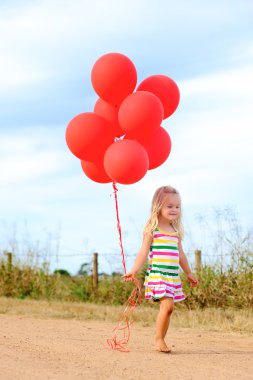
(26, 282)
(216, 289)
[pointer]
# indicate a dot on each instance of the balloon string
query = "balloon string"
(122, 332)
(115, 190)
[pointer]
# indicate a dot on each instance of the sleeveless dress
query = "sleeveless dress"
(162, 277)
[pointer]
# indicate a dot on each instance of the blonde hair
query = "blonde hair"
(157, 203)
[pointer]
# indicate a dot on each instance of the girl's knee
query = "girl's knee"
(167, 305)
(170, 309)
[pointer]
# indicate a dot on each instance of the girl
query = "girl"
(162, 237)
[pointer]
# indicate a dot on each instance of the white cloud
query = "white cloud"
(29, 158)
(16, 71)
(223, 85)
(35, 34)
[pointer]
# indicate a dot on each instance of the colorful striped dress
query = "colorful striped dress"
(162, 277)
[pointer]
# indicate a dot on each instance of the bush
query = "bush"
(215, 289)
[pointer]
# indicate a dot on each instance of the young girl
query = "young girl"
(162, 237)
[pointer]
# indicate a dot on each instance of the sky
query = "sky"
(48, 208)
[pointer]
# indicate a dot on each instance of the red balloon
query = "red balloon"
(140, 113)
(113, 77)
(158, 147)
(126, 161)
(95, 171)
(110, 113)
(165, 89)
(88, 135)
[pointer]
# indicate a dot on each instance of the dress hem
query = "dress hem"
(156, 299)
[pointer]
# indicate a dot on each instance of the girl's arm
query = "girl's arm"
(140, 258)
(183, 262)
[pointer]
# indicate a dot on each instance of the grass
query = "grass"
(209, 319)
(215, 289)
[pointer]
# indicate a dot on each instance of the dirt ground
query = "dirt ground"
(32, 348)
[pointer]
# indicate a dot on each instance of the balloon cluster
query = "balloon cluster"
(123, 138)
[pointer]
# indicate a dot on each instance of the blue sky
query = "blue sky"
(48, 49)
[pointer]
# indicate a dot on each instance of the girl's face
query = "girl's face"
(171, 208)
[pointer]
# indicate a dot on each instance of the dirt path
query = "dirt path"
(32, 349)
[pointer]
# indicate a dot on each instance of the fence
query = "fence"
(95, 264)
(224, 242)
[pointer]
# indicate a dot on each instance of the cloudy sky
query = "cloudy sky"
(48, 49)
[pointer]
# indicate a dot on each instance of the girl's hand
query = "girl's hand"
(130, 276)
(192, 280)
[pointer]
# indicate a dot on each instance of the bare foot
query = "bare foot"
(161, 346)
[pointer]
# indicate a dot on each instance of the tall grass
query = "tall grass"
(216, 289)
(36, 283)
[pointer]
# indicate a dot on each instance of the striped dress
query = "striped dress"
(162, 277)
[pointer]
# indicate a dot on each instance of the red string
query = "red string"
(121, 336)
(115, 190)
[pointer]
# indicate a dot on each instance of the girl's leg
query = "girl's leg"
(162, 323)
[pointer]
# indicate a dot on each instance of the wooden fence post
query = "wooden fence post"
(95, 270)
(9, 261)
(198, 263)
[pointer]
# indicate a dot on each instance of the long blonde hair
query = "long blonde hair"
(157, 203)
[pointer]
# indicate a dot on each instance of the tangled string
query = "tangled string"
(121, 333)
(121, 336)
